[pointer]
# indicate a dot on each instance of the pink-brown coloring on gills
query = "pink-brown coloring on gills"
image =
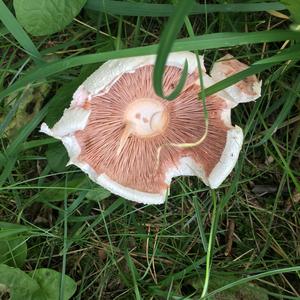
(133, 142)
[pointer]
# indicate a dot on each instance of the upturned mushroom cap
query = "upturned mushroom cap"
(128, 139)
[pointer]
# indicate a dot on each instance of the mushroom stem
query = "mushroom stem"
(126, 133)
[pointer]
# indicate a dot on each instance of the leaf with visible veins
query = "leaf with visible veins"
(44, 17)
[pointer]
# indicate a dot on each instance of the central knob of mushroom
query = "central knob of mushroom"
(146, 117)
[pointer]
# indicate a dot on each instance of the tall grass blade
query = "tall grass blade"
(208, 41)
(166, 42)
(251, 278)
(18, 32)
(290, 98)
(134, 274)
(289, 54)
(125, 8)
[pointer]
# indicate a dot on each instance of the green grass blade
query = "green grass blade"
(259, 66)
(285, 164)
(134, 274)
(125, 8)
(65, 244)
(166, 41)
(109, 210)
(18, 32)
(290, 98)
(251, 278)
(294, 8)
(212, 236)
(10, 115)
(200, 222)
(208, 41)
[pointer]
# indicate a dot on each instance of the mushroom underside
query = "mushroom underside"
(138, 166)
(133, 142)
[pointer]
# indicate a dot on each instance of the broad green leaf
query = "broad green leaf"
(45, 17)
(294, 8)
(13, 248)
(41, 284)
(17, 284)
(49, 282)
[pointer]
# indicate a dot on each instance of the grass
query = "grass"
(116, 249)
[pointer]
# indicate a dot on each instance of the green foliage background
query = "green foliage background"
(56, 218)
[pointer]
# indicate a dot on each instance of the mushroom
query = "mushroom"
(132, 142)
(245, 90)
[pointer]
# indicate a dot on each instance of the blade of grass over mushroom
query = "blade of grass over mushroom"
(207, 41)
(126, 8)
(203, 98)
(190, 30)
(164, 48)
(259, 66)
(18, 32)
